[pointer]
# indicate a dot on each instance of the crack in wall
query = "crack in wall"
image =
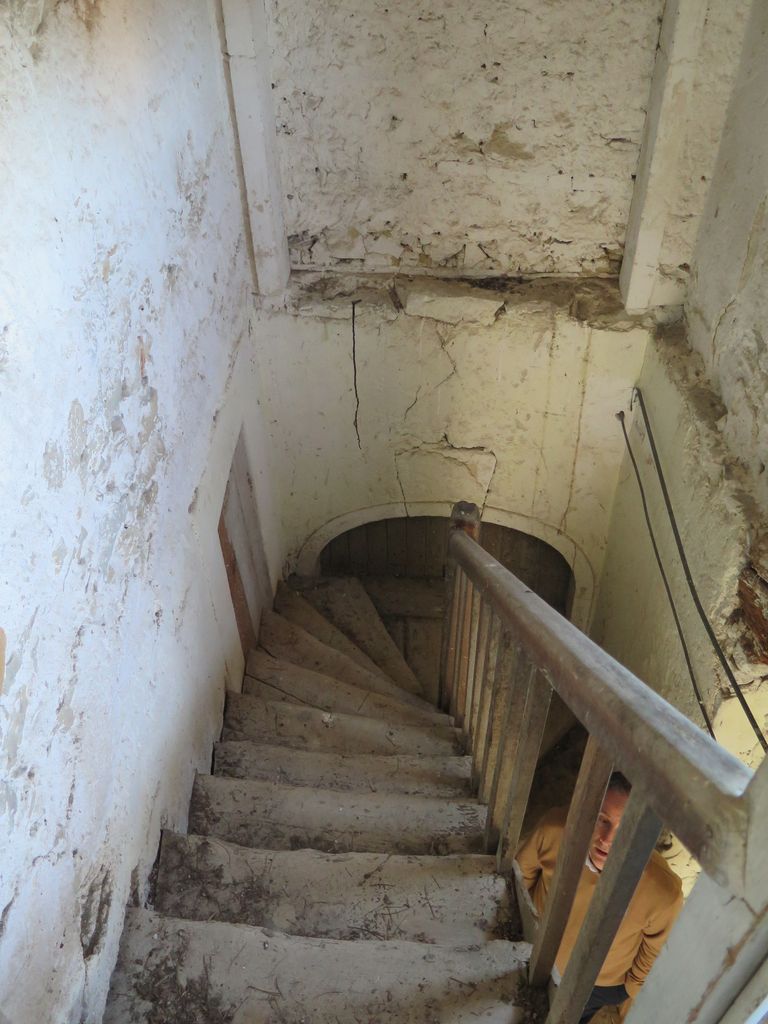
(583, 390)
(354, 374)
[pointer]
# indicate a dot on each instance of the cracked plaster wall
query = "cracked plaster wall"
(124, 375)
(482, 139)
(439, 392)
(718, 520)
(727, 309)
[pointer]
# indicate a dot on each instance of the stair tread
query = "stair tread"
(277, 679)
(286, 640)
(294, 725)
(296, 609)
(280, 816)
(454, 900)
(170, 969)
(405, 597)
(425, 776)
(345, 602)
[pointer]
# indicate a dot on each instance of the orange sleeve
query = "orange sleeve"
(533, 850)
(655, 935)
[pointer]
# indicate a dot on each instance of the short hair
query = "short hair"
(620, 783)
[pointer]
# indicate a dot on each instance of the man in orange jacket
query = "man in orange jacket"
(651, 912)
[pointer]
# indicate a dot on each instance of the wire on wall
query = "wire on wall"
(637, 394)
(665, 581)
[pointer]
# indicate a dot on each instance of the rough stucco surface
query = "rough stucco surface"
(481, 139)
(713, 77)
(727, 310)
(633, 620)
(123, 285)
(406, 414)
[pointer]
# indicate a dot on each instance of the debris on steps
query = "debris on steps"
(456, 900)
(296, 609)
(336, 872)
(192, 972)
(250, 718)
(273, 679)
(448, 777)
(345, 602)
(275, 816)
(283, 639)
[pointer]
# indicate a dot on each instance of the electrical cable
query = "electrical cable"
(689, 579)
(665, 581)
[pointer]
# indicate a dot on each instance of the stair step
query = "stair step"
(171, 970)
(402, 597)
(419, 776)
(274, 679)
(296, 609)
(274, 816)
(283, 639)
(345, 602)
(303, 728)
(457, 900)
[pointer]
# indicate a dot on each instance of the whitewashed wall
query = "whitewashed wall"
(125, 376)
(479, 138)
(717, 522)
(727, 310)
(505, 399)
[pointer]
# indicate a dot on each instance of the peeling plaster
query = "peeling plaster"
(487, 141)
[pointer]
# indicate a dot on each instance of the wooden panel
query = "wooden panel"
(416, 544)
(397, 549)
(491, 537)
(378, 558)
(358, 551)
(337, 552)
(435, 546)
(236, 589)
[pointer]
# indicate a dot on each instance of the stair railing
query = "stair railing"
(505, 650)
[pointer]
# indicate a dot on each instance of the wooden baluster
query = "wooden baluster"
(594, 773)
(465, 648)
(479, 670)
(487, 690)
(450, 642)
(514, 691)
(633, 845)
(464, 596)
(530, 733)
(506, 659)
(474, 651)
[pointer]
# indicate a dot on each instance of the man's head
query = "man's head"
(614, 802)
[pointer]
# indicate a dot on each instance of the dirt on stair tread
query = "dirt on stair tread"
(295, 725)
(345, 602)
(405, 597)
(284, 639)
(421, 776)
(296, 609)
(276, 679)
(174, 971)
(456, 900)
(275, 816)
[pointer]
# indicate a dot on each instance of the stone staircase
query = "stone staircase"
(334, 871)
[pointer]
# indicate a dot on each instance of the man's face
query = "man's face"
(605, 829)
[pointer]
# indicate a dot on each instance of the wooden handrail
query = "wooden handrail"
(504, 652)
(695, 786)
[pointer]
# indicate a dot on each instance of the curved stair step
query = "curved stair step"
(274, 679)
(274, 816)
(372, 773)
(296, 609)
(172, 970)
(345, 602)
(295, 725)
(284, 639)
(457, 900)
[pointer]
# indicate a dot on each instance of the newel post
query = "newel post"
(458, 610)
